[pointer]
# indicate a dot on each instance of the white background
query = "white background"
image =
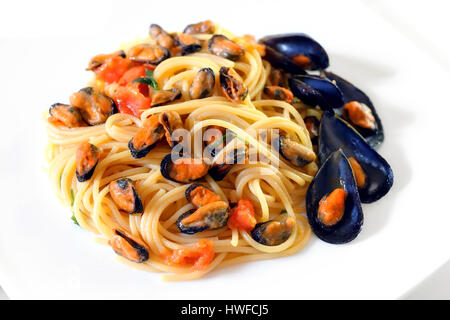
(29, 29)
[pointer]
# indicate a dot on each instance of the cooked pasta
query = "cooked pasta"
(273, 187)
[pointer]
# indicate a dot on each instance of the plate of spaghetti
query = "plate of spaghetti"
(192, 151)
(217, 155)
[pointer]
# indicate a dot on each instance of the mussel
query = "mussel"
(128, 246)
(293, 151)
(225, 161)
(278, 77)
(298, 48)
(374, 174)
(146, 137)
(199, 195)
(86, 160)
(333, 205)
(161, 37)
(279, 93)
(280, 61)
(189, 44)
(364, 117)
(200, 27)
(148, 53)
(183, 169)
(213, 215)
(100, 59)
(224, 47)
(203, 84)
(125, 196)
(66, 115)
(95, 106)
(274, 232)
(232, 85)
(316, 91)
(171, 121)
(161, 97)
(312, 125)
(214, 139)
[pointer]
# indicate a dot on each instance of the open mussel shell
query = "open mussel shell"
(334, 133)
(335, 173)
(316, 91)
(280, 61)
(302, 50)
(351, 93)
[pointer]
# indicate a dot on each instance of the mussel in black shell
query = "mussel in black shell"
(373, 173)
(333, 206)
(366, 120)
(295, 49)
(316, 91)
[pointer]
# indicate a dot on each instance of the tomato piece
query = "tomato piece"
(130, 100)
(113, 69)
(199, 255)
(135, 73)
(242, 216)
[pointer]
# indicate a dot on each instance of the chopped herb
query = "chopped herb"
(296, 100)
(73, 198)
(75, 220)
(283, 211)
(148, 79)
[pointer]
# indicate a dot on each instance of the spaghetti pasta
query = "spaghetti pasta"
(272, 186)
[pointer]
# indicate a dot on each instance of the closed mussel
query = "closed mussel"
(183, 169)
(316, 91)
(161, 97)
(206, 26)
(224, 47)
(66, 115)
(128, 246)
(232, 85)
(86, 160)
(333, 206)
(203, 84)
(199, 195)
(274, 232)
(95, 106)
(359, 111)
(146, 137)
(171, 121)
(213, 215)
(293, 151)
(125, 196)
(373, 174)
(299, 48)
(148, 53)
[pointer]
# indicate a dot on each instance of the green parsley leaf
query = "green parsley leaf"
(75, 220)
(148, 80)
(73, 197)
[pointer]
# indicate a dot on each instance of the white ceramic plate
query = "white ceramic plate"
(404, 239)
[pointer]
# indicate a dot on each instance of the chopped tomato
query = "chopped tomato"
(113, 69)
(131, 101)
(134, 73)
(199, 255)
(242, 216)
